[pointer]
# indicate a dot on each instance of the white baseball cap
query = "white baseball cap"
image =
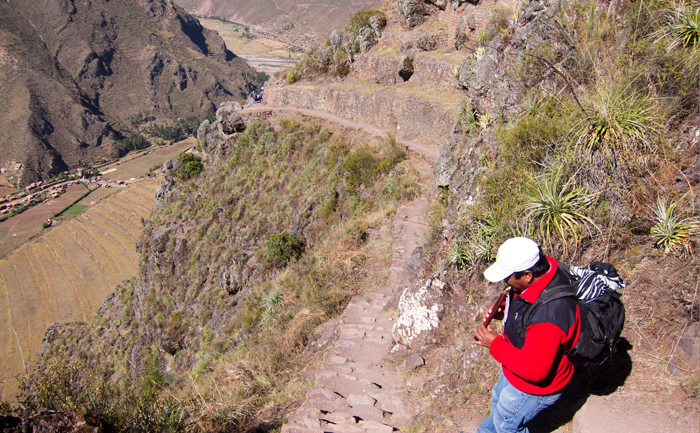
(515, 255)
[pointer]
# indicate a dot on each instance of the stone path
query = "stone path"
(355, 389)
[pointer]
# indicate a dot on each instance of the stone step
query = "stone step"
(353, 392)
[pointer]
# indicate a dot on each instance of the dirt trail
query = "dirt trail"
(431, 152)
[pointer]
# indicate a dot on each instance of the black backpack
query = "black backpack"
(597, 290)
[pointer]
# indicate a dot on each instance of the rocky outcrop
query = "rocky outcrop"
(214, 138)
(421, 308)
(412, 12)
(426, 72)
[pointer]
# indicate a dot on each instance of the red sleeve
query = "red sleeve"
(535, 360)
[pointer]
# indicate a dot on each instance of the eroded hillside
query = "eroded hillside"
(77, 75)
(289, 20)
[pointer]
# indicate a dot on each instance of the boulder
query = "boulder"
(228, 117)
(366, 39)
(413, 361)
(441, 4)
(336, 39)
(325, 58)
(160, 236)
(202, 131)
(377, 22)
(426, 42)
(412, 12)
(478, 75)
(687, 356)
(421, 308)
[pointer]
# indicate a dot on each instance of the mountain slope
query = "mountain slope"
(310, 19)
(75, 72)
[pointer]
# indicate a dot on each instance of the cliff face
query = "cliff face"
(76, 71)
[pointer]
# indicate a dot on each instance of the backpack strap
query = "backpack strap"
(550, 294)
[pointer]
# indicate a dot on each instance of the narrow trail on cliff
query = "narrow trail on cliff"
(430, 152)
(357, 387)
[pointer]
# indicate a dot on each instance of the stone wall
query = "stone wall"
(426, 72)
(407, 117)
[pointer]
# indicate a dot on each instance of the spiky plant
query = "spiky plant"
(681, 26)
(672, 232)
(557, 207)
(271, 303)
(467, 252)
(460, 255)
(618, 120)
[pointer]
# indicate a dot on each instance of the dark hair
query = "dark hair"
(538, 269)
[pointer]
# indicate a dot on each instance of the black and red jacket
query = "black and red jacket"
(532, 353)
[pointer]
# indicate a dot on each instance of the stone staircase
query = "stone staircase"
(357, 389)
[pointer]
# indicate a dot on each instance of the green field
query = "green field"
(74, 209)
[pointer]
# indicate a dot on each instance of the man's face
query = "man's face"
(520, 284)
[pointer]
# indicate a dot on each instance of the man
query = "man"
(531, 349)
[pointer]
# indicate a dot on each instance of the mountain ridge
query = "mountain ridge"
(108, 62)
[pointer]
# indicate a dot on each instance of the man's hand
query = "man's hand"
(500, 312)
(485, 336)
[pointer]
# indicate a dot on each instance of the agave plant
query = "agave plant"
(271, 303)
(681, 26)
(461, 255)
(617, 120)
(466, 253)
(558, 207)
(672, 232)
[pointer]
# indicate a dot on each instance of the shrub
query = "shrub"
(171, 134)
(681, 26)
(361, 19)
(620, 120)
(281, 248)
(293, 76)
(360, 168)
(135, 142)
(190, 167)
(557, 207)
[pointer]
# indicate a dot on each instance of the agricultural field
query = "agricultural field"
(263, 54)
(20, 228)
(140, 164)
(6, 187)
(65, 274)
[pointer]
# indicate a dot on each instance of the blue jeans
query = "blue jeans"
(511, 409)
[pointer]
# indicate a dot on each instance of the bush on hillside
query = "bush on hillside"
(190, 167)
(281, 248)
